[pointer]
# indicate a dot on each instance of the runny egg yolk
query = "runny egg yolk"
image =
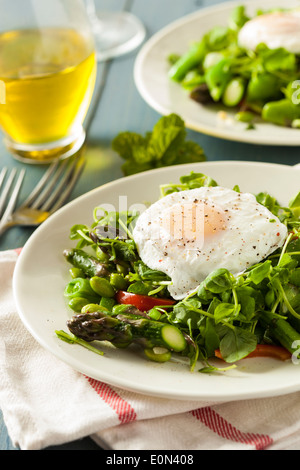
(196, 221)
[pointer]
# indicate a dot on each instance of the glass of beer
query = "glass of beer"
(47, 77)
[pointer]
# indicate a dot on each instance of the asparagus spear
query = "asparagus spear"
(88, 264)
(125, 329)
(193, 57)
(281, 330)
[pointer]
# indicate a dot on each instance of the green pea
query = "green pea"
(102, 286)
(118, 281)
(77, 304)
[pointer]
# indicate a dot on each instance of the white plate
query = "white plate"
(42, 273)
(166, 96)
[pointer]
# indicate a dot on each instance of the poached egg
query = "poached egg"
(275, 30)
(189, 234)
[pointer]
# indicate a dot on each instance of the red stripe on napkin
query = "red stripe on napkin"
(124, 410)
(224, 429)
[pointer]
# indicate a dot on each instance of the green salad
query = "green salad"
(114, 297)
(259, 84)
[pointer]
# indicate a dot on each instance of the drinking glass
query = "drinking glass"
(47, 77)
(116, 32)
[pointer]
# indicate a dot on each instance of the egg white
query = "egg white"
(275, 30)
(233, 231)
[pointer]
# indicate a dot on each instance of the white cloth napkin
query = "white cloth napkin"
(44, 402)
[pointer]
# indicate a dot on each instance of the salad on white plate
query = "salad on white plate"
(252, 66)
(204, 272)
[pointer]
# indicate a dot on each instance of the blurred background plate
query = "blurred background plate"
(166, 96)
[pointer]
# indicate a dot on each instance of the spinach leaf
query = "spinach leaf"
(187, 313)
(236, 344)
(217, 282)
(260, 272)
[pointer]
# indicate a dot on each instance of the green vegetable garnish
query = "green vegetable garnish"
(166, 145)
(217, 70)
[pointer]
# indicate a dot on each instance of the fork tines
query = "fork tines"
(55, 186)
(9, 194)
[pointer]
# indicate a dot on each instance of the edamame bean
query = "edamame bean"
(244, 116)
(76, 272)
(121, 269)
(102, 286)
(77, 303)
(90, 308)
(158, 354)
(263, 87)
(296, 124)
(282, 112)
(79, 287)
(118, 281)
(107, 303)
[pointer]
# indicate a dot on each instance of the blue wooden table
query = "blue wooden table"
(121, 108)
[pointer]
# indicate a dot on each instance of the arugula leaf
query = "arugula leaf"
(166, 145)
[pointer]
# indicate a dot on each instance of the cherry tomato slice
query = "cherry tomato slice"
(266, 350)
(143, 302)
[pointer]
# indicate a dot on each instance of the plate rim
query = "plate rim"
(123, 383)
(219, 133)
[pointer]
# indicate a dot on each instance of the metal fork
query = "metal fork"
(49, 195)
(6, 196)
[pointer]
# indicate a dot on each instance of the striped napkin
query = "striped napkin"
(45, 402)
